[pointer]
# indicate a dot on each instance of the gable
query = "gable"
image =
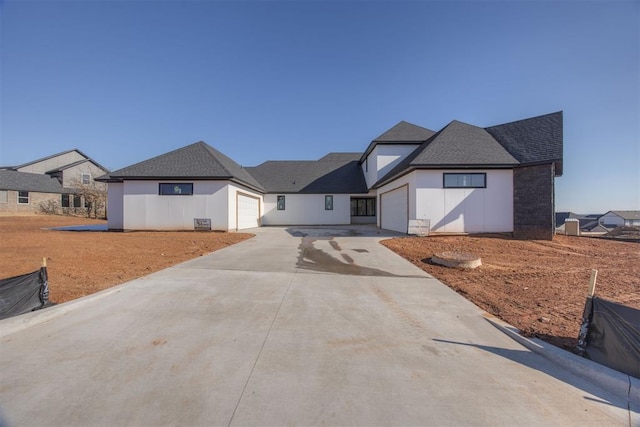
(402, 133)
(456, 145)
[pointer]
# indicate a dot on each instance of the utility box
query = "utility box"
(572, 227)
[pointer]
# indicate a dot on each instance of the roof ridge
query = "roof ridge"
(525, 119)
(208, 148)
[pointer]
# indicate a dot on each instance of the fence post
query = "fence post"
(586, 315)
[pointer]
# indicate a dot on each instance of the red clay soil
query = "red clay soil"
(82, 262)
(539, 287)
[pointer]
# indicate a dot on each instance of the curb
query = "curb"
(621, 385)
(15, 324)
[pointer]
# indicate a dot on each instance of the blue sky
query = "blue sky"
(124, 81)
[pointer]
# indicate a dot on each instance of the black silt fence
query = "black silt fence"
(610, 335)
(25, 293)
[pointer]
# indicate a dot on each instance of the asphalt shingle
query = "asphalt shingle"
(24, 181)
(534, 140)
(456, 145)
(195, 161)
(311, 177)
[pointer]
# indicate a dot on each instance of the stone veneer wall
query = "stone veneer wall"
(534, 202)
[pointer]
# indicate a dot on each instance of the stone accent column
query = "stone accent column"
(533, 202)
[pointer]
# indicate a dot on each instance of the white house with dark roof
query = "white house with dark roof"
(461, 179)
(54, 178)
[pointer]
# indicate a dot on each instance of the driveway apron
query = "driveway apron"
(296, 326)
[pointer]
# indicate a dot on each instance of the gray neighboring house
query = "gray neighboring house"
(461, 179)
(614, 219)
(50, 180)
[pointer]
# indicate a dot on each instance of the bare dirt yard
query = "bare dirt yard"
(540, 287)
(84, 262)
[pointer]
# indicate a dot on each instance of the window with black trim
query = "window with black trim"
(364, 206)
(464, 180)
(23, 197)
(280, 203)
(177, 189)
(71, 201)
(328, 203)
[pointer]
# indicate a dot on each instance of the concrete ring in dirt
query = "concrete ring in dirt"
(456, 259)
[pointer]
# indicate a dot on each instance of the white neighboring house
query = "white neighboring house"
(52, 179)
(461, 179)
(614, 219)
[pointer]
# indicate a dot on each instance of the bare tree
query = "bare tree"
(94, 195)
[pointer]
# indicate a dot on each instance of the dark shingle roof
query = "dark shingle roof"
(405, 132)
(340, 157)
(402, 133)
(456, 145)
(195, 161)
(24, 181)
(533, 141)
(311, 177)
(462, 144)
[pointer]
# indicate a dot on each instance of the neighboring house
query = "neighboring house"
(51, 181)
(614, 219)
(587, 223)
(461, 179)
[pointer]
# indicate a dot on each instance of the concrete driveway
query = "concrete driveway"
(297, 326)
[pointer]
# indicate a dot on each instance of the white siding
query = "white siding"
(307, 209)
(394, 209)
(390, 155)
(468, 210)
(370, 168)
(145, 209)
(115, 211)
(383, 158)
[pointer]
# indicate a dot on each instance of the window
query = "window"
(23, 197)
(280, 203)
(328, 203)
(169, 189)
(86, 179)
(71, 200)
(465, 180)
(365, 206)
(4, 196)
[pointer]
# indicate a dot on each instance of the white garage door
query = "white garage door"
(248, 209)
(394, 210)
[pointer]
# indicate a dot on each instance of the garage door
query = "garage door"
(394, 209)
(248, 211)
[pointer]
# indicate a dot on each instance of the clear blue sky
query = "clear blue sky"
(274, 80)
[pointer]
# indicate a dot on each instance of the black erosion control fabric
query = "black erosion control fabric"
(22, 294)
(613, 336)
